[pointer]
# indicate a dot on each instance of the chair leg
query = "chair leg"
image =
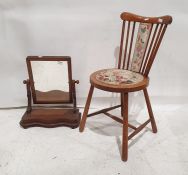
(153, 124)
(125, 127)
(86, 109)
(121, 95)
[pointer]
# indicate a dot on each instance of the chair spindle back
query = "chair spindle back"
(140, 41)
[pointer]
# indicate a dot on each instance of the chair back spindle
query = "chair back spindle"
(138, 50)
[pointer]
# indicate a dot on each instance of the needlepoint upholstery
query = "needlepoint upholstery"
(119, 76)
(140, 46)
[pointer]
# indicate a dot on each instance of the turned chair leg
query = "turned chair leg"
(125, 127)
(86, 109)
(153, 124)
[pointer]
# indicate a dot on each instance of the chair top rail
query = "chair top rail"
(126, 16)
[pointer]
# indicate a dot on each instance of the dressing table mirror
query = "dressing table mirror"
(51, 93)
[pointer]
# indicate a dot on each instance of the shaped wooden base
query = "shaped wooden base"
(50, 118)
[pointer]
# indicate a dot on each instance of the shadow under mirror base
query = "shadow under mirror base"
(51, 118)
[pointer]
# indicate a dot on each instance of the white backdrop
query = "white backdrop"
(89, 32)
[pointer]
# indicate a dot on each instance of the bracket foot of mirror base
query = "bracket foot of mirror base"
(50, 118)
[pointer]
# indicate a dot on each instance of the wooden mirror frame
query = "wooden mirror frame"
(30, 59)
(52, 116)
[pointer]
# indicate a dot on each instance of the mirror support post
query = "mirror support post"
(27, 82)
(74, 93)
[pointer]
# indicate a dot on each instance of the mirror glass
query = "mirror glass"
(51, 81)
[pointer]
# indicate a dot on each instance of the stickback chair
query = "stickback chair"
(137, 53)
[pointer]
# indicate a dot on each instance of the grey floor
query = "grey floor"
(96, 151)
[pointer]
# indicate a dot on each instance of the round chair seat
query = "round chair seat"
(118, 80)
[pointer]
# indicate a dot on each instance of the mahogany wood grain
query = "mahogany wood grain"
(50, 96)
(67, 59)
(50, 116)
(29, 108)
(74, 93)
